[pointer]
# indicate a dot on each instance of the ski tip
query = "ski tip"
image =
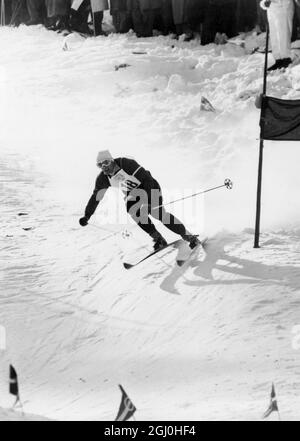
(127, 265)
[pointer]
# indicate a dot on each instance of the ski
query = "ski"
(129, 265)
(181, 260)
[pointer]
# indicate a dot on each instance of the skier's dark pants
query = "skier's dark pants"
(141, 207)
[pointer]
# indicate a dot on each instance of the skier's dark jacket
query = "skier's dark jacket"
(129, 166)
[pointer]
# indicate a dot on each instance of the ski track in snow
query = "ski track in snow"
(200, 342)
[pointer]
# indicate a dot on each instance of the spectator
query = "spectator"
(167, 22)
(143, 14)
(195, 12)
(246, 15)
(280, 16)
(18, 12)
(37, 12)
(180, 17)
(120, 15)
(58, 12)
(296, 20)
(101, 6)
(220, 18)
(80, 12)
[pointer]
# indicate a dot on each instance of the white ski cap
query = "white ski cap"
(103, 155)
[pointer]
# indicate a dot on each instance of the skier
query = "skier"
(280, 17)
(143, 197)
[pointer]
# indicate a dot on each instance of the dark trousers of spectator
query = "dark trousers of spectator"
(97, 20)
(122, 21)
(37, 11)
(296, 23)
(246, 15)
(219, 18)
(142, 19)
(58, 13)
(143, 22)
(79, 19)
(17, 12)
(120, 16)
(195, 13)
(166, 16)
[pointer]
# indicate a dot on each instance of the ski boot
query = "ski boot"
(192, 239)
(159, 241)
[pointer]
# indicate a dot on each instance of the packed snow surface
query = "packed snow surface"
(200, 342)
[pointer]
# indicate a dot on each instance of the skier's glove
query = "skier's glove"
(265, 4)
(83, 221)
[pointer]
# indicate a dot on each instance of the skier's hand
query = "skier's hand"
(84, 221)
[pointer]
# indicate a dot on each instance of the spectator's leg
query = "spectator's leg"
(36, 10)
(137, 19)
(167, 17)
(125, 22)
(98, 19)
(148, 16)
(227, 19)
(79, 18)
(209, 27)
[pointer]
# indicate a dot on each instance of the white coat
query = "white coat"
(280, 17)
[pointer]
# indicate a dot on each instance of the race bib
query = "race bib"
(124, 181)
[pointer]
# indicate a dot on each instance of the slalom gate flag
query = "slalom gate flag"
(13, 383)
(127, 408)
(273, 406)
(206, 105)
(280, 119)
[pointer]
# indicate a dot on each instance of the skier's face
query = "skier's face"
(107, 166)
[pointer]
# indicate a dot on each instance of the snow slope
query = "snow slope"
(202, 342)
(9, 415)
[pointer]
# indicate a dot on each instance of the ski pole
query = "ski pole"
(125, 233)
(227, 183)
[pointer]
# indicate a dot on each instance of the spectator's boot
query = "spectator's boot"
(285, 62)
(275, 66)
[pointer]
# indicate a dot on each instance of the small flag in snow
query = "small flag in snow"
(127, 408)
(206, 105)
(13, 383)
(65, 46)
(273, 406)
